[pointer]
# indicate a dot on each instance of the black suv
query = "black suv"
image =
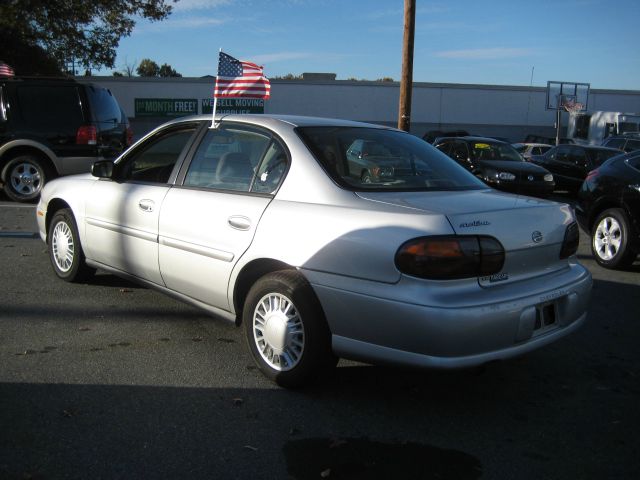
(55, 126)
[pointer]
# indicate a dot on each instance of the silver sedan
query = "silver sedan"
(263, 221)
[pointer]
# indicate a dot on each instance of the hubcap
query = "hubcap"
(62, 246)
(26, 179)
(278, 332)
(607, 238)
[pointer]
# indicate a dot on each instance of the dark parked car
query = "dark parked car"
(609, 210)
(55, 126)
(628, 143)
(571, 163)
(432, 135)
(498, 165)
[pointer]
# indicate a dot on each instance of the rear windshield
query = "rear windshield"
(104, 106)
(378, 159)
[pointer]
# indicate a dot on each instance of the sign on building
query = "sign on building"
(165, 107)
(233, 105)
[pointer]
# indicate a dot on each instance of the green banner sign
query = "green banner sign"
(233, 105)
(165, 107)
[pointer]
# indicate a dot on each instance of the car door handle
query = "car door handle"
(239, 222)
(146, 205)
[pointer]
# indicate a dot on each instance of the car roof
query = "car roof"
(473, 138)
(533, 144)
(270, 120)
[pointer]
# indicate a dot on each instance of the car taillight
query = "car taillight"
(571, 241)
(592, 174)
(450, 257)
(129, 134)
(87, 135)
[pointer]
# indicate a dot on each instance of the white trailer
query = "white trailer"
(593, 127)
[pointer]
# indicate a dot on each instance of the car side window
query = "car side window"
(47, 107)
(154, 160)
(632, 145)
(444, 147)
(562, 154)
(227, 159)
(579, 157)
(634, 162)
(271, 169)
(615, 143)
(459, 152)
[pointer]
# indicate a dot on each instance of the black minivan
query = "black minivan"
(55, 126)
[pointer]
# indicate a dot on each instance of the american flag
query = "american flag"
(240, 79)
(6, 70)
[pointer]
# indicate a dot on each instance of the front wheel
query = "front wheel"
(610, 239)
(286, 330)
(65, 251)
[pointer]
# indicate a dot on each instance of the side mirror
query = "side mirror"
(102, 169)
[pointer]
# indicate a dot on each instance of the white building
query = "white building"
(505, 111)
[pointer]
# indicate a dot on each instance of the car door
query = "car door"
(579, 166)
(209, 221)
(121, 217)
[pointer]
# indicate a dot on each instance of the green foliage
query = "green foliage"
(167, 71)
(148, 68)
(288, 76)
(65, 30)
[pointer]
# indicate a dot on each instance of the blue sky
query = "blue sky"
(467, 41)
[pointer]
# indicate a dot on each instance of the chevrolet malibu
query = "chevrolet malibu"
(263, 221)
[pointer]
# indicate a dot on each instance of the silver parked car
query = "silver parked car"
(265, 222)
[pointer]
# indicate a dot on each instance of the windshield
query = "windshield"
(377, 159)
(495, 151)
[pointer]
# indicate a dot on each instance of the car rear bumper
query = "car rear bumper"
(374, 329)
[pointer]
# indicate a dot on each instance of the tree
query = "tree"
(60, 31)
(148, 68)
(167, 71)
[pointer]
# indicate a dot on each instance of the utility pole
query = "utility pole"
(406, 82)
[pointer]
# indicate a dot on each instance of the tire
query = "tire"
(65, 251)
(610, 239)
(286, 330)
(24, 178)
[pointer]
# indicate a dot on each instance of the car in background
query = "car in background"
(498, 164)
(628, 143)
(432, 135)
(51, 127)
(570, 164)
(528, 149)
(608, 208)
(548, 140)
(261, 221)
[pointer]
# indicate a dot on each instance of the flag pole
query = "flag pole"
(215, 99)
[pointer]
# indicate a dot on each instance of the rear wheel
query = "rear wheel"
(65, 251)
(285, 329)
(24, 178)
(610, 239)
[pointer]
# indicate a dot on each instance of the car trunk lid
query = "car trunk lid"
(530, 230)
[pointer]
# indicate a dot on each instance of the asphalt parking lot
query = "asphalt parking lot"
(110, 380)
